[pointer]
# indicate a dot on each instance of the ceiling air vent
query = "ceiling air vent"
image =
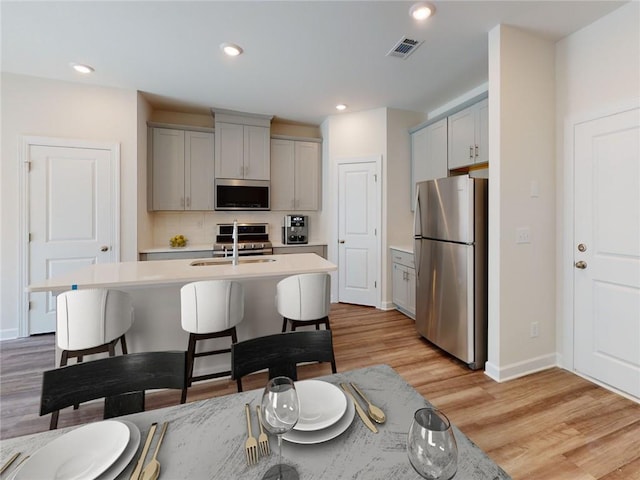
(404, 48)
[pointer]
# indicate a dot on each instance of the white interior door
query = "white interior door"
(72, 218)
(607, 250)
(358, 227)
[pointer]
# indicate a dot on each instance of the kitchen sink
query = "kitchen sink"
(228, 261)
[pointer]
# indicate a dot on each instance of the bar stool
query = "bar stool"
(92, 321)
(210, 309)
(304, 300)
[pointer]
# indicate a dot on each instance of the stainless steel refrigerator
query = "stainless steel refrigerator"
(450, 235)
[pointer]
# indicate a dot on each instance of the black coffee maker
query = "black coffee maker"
(295, 230)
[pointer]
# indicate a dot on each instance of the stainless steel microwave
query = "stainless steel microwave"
(233, 194)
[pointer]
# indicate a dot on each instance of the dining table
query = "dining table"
(206, 439)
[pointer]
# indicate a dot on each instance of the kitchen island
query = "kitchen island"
(155, 289)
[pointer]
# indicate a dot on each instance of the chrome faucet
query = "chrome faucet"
(234, 260)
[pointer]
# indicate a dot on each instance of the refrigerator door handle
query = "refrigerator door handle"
(417, 253)
(417, 231)
(417, 227)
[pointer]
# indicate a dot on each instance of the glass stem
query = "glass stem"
(280, 456)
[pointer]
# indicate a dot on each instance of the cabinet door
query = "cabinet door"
(419, 167)
(462, 127)
(282, 174)
(257, 150)
(229, 147)
(307, 175)
(437, 159)
(199, 171)
(167, 166)
(411, 292)
(400, 293)
(482, 132)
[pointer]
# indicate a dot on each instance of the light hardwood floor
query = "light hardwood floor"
(550, 425)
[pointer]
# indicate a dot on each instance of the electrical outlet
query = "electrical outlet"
(523, 235)
(534, 329)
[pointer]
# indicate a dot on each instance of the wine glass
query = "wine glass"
(280, 413)
(431, 446)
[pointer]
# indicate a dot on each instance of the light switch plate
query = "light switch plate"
(523, 235)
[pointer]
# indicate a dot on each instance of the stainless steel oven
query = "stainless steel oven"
(253, 239)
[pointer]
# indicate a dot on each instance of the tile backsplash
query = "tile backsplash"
(199, 227)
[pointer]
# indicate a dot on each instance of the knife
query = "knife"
(136, 471)
(363, 415)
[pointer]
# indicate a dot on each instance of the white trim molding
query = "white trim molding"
(520, 369)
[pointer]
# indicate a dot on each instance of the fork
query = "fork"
(263, 440)
(251, 445)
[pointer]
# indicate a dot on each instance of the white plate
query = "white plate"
(123, 460)
(85, 452)
(319, 436)
(321, 404)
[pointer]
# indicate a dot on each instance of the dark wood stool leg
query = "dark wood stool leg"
(54, 420)
(234, 339)
(123, 344)
(284, 325)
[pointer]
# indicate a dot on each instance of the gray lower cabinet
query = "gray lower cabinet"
(404, 282)
(175, 255)
(320, 250)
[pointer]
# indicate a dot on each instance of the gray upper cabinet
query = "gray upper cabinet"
(469, 136)
(295, 175)
(428, 154)
(242, 145)
(181, 170)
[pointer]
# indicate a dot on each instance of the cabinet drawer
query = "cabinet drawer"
(403, 258)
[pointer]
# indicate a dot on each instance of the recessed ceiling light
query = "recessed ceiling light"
(341, 106)
(80, 68)
(231, 49)
(422, 11)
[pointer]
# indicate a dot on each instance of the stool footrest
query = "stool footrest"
(209, 376)
(211, 352)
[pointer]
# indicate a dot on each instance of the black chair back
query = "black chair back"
(281, 353)
(121, 380)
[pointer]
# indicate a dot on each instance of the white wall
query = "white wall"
(396, 187)
(597, 72)
(522, 158)
(347, 135)
(37, 107)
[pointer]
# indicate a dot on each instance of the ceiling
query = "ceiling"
(300, 59)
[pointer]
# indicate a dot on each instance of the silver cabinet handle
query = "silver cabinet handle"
(581, 265)
(470, 151)
(104, 248)
(476, 150)
(188, 201)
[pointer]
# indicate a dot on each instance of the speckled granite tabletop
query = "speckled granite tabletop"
(205, 439)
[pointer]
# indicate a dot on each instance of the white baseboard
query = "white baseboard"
(9, 334)
(520, 369)
(387, 306)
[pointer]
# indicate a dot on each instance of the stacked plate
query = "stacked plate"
(100, 450)
(325, 413)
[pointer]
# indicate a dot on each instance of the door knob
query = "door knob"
(341, 241)
(104, 248)
(582, 247)
(581, 265)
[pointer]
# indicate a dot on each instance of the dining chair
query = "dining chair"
(120, 380)
(304, 300)
(281, 353)
(92, 321)
(210, 309)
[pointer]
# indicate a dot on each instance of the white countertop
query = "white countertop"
(171, 272)
(203, 247)
(405, 249)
